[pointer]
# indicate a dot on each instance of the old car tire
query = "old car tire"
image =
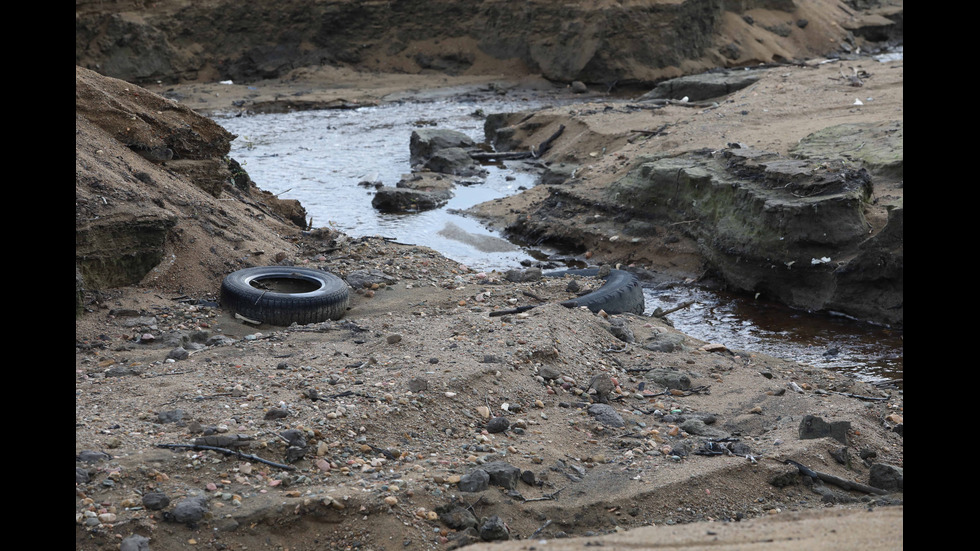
(282, 295)
(620, 293)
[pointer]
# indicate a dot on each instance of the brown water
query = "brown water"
(861, 350)
(319, 157)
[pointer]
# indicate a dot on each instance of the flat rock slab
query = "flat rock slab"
(702, 87)
(391, 199)
(878, 147)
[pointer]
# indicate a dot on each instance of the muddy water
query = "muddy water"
(319, 158)
(829, 341)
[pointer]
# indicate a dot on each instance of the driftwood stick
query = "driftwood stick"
(545, 497)
(227, 451)
(836, 481)
(681, 306)
(513, 155)
(546, 145)
(859, 397)
(538, 531)
(500, 156)
(517, 310)
(314, 395)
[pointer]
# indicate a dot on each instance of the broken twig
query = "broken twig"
(227, 451)
(545, 497)
(517, 310)
(859, 397)
(836, 481)
(658, 313)
(535, 152)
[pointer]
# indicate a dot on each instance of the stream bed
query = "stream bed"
(321, 157)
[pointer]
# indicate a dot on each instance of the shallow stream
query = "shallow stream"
(320, 157)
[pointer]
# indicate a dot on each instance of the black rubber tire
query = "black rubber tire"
(291, 295)
(620, 293)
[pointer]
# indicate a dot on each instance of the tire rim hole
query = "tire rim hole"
(285, 285)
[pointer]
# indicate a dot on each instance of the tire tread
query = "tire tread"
(284, 309)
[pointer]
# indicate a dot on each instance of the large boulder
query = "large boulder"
(455, 161)
(426, 142)
(395, 199)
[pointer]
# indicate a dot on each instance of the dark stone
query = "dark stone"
(497, 424)
(360, 279)
(276, 413)
(740, 448)
(664, 342)
(179, 353)
(620, 330)
(81, 475)
(606, 415)
(121, 371)
(190, 510)
(669, 378)
(294, 437)
(135, 542)
(155, 501)
(558, 173)
(456, 517)
(392, 199)
(887, 477)
(841, 455)
(528, 478)
(494, 529)
(602, 385)
(502, 474)
(91, 456)
(424, 143)
(700, 428)
(814, 427)
(454, 160)
(476, 480)
(548, 372)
